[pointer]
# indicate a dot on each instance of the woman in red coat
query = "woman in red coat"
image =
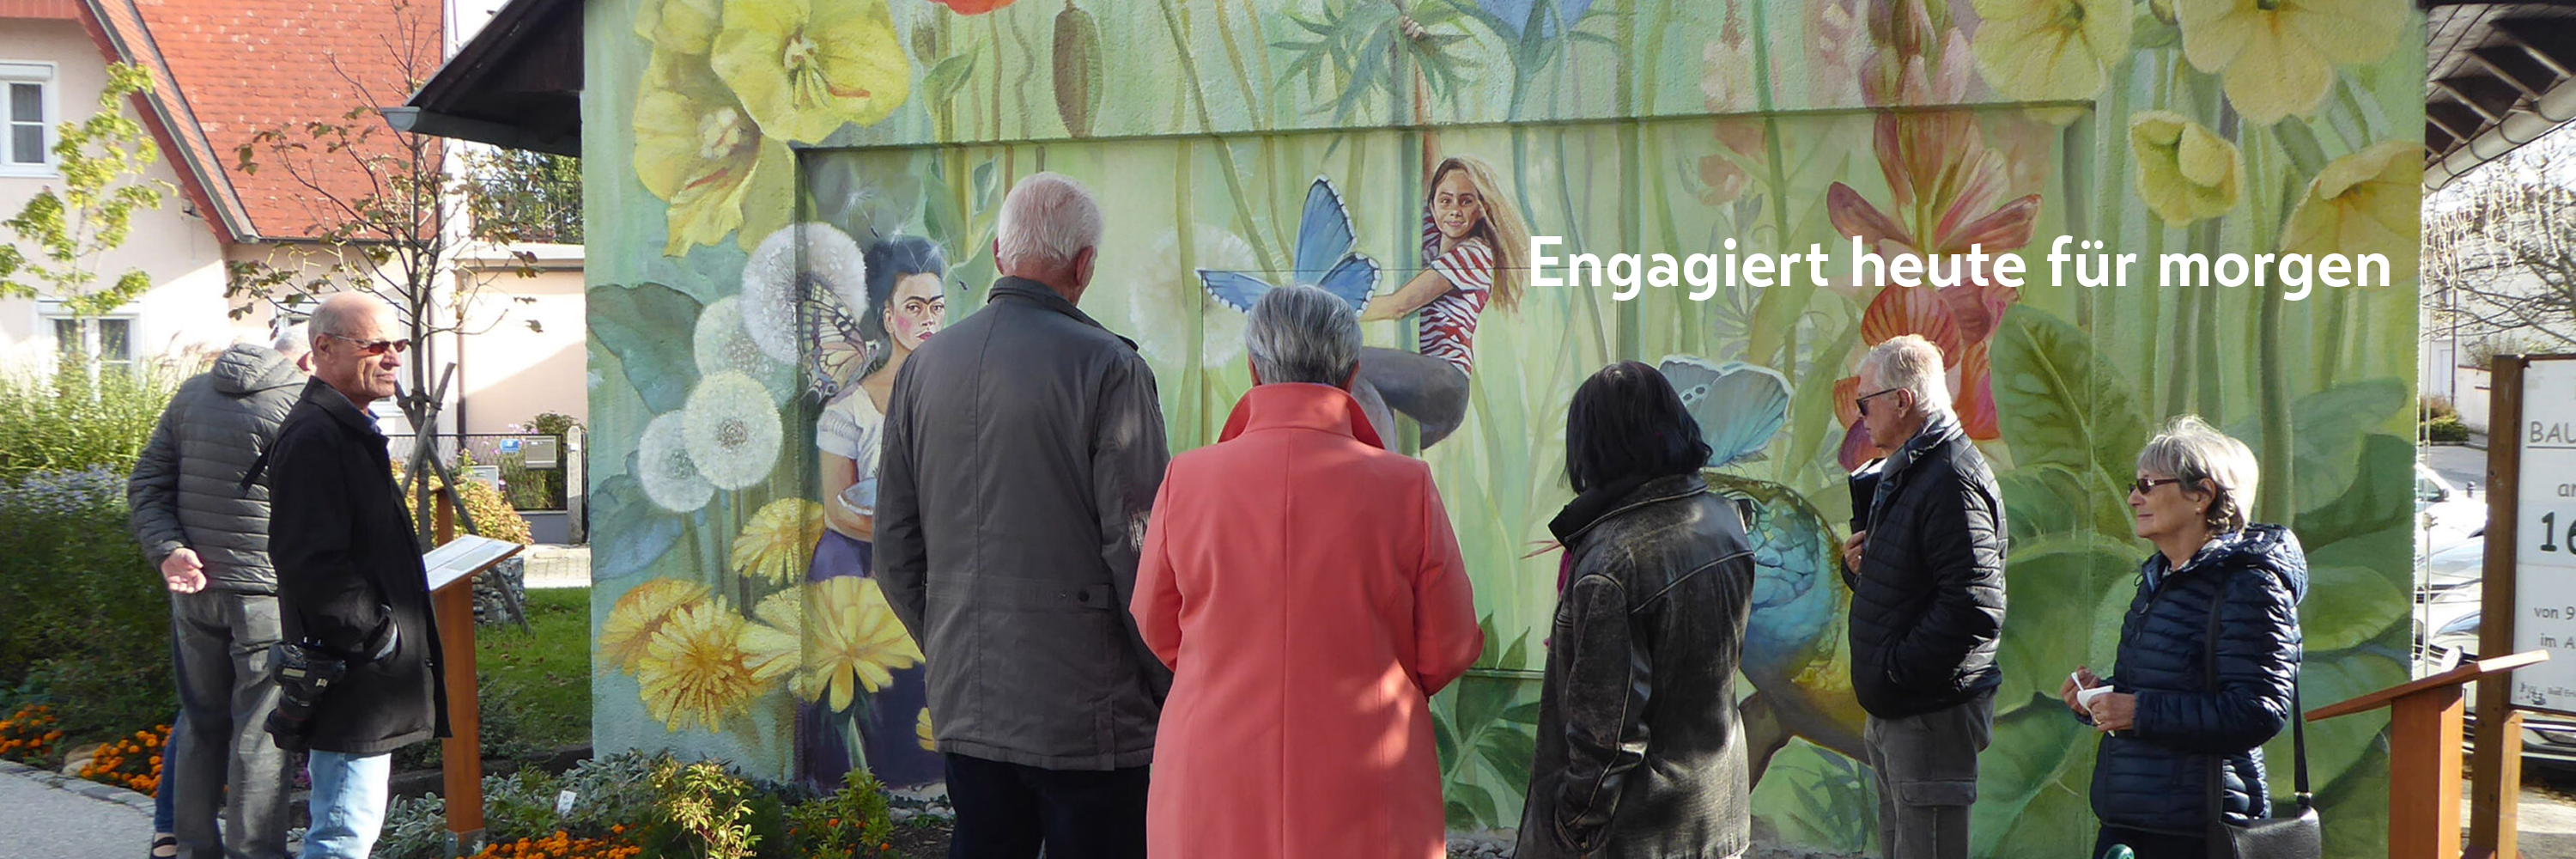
(1304, 586)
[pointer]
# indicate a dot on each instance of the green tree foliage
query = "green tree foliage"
(521, 196)
(67, 228)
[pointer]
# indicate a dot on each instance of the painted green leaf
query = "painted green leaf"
(2326, 429)
(2061, 403)
(634, 323)
(2382, 496)
(946, 77)
(2342, 743)
(2035, 749)
(644, 532)
(2041, 500)
(2354, 595)
(2053, 588)
(1470, 806)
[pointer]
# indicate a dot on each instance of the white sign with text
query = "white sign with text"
(2545, 537)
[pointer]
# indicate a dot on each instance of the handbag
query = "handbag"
(2298, 836)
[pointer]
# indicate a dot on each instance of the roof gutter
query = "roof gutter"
(2552, 109)
(415, 120)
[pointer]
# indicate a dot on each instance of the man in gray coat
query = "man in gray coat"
(1022, 450)
(208, 534)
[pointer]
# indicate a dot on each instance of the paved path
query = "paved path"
(48, 816)
(557, 566)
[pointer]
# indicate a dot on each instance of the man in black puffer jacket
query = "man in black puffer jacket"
(1927, 580)
(207, 533)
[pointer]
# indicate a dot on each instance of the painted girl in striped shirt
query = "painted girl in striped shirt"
(1473, 244)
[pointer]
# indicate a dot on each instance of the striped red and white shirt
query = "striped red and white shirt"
(1449, 321)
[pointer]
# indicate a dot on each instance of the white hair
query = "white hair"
(342, 313)
(292, 339)
(1911, 363)
(1047, 219)
(1303, 334)
(2190, 451)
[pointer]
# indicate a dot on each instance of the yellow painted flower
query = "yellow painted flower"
(2050, 49)
(921, 729)
(2363, 203)
(636, 616)
(698, 150)
(779, 540)
(687, 26)
(695, 671)
(774, 644)
(2185, 173)
(2277, 57)
(857, 642)
(805, 67)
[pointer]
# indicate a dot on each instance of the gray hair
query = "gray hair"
(2190, 451)
(1303, 334)
(292, 339)
(1046, 220)
(341, 313)
(1914, 364)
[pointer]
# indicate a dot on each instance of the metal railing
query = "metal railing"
(533, 471)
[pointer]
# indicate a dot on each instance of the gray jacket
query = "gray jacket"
(186, 489)
(1022, 449)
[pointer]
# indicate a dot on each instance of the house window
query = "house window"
(106, 340)
(27, 118)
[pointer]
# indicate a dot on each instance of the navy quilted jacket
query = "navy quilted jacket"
(2156, 777)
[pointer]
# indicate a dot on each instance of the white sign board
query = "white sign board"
(464, 556)
(2545, 536)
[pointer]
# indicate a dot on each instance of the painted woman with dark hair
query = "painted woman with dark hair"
(904, 304)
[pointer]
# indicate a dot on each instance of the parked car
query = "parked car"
(2447, 515)
(2548, 739)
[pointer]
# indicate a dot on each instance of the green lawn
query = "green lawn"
(542, 675)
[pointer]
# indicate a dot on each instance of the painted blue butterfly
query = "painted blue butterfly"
(1324, 258)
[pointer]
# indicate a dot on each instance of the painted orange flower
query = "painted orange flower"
(972, 7)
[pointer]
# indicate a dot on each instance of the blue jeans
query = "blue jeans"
(161, 793)
(348, 805)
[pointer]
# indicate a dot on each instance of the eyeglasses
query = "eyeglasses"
(2147, 485)
(1862, 401)
(372, 348)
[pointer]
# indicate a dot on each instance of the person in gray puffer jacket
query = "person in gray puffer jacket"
(206, 529)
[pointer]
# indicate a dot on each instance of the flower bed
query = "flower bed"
(133, 763)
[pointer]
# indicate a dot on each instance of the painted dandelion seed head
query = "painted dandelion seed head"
(663, 465)
(732, 430)
(789, 266)
(724, 342)
(1162, 314)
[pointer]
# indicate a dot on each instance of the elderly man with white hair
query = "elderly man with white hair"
(1023, 447)
(1926, 571)
(207, 534)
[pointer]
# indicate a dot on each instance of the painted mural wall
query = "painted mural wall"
(787, 196)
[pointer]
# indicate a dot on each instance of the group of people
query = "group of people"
(1230, 653)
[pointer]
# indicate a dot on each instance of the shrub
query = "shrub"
(67, 422)
(492, 514)
(850, 822)
(30, 737)
(86, 619)
(133, 763)
(2435, 407)
(415, 828)
(505, 732)
(2447, 429)
(611, 793)
(560, 845)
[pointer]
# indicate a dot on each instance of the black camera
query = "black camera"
(304, 672)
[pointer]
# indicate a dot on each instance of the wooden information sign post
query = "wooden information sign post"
(2424, 753)
(2526, 583)
(452, 567)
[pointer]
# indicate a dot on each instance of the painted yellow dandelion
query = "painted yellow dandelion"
(857, 644)
(641, 611)
(779, 540)
(695, 671)
(921, 730)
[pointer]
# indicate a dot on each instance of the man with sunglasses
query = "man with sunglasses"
(1927, 580)
(361, 676)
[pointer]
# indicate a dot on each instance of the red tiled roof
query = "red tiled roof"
(48, 10)
(245, 66)
(118, 29)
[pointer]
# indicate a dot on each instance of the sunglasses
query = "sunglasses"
(372, 348)
(1862, 401)
(2148, 485)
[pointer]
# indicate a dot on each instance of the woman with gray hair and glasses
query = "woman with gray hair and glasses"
(1304, 587)
(2208, 656)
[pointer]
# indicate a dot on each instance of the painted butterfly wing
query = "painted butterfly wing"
(1324, 234)
(835, 352)
(1353, 280)
(1739, 406)
(1233, 288)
